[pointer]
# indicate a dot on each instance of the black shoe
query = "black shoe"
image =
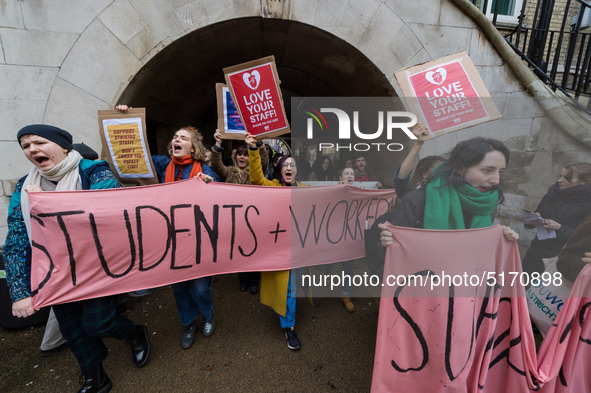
(208, 327)
(95, 381)
(243, 285)
(292, 339)
(140, 345)
(254, 288)
(188, 337)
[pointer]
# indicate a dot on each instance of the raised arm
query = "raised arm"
(257, 177)
(216, 156)
(420, 131)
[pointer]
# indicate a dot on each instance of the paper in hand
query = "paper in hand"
(537, 221)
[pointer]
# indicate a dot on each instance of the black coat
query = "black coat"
(568, 212)
(409, 212)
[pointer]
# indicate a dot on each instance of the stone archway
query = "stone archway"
(177, 86)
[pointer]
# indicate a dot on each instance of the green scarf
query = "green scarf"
(444, 204)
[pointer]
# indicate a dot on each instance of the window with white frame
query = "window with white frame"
(507, 12)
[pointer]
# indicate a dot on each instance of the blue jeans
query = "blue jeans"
(192, 298)
(288, 320)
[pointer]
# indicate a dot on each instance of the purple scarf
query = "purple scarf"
(580, 193)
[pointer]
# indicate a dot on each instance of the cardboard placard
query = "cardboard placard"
(125, 146)
(447, 93)
(229, 121)
(255, 89)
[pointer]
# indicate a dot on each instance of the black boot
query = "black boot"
(140, 345)
(96, 381)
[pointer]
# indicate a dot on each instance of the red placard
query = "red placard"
(256, 93)
(448, 93)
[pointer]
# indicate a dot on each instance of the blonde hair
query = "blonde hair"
(198, 152)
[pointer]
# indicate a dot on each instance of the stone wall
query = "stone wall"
(62, 61)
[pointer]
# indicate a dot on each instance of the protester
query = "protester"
(270, 175)
(347, 176)
(270, 155)
(304, 168)
(83, 323)
(462, 193)
(52, 337)
(322, 170)
(563, 207)
(361, 173)
(285, 175)
(403, 181)
(193, 297)
(207, 154)
(577, 251)
(238, 174)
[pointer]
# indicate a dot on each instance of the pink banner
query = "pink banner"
(95, 243)
(463, 335)
(565, 354)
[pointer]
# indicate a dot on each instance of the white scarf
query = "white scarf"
(65, 174)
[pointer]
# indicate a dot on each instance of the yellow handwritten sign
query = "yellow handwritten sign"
(127, 148)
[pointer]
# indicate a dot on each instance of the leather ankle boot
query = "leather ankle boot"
(96, 381)
(140, 345)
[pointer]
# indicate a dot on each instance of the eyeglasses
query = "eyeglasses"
(289, 165)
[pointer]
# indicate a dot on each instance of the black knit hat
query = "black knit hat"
(54, 134)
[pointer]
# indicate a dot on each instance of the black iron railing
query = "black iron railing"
(552, 36)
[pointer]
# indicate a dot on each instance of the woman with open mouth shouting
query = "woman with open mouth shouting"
(57, 167)
(186, 161)
(195, 296)
(285, 174)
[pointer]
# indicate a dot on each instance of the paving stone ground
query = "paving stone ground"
(247, 352)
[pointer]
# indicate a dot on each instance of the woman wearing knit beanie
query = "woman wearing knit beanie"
(57, 167)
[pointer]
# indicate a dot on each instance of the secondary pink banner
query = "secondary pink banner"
(467, 336)
(461, 335)
(101, 242)
(565, 354)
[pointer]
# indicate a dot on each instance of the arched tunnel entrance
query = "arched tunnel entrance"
(177, 86)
